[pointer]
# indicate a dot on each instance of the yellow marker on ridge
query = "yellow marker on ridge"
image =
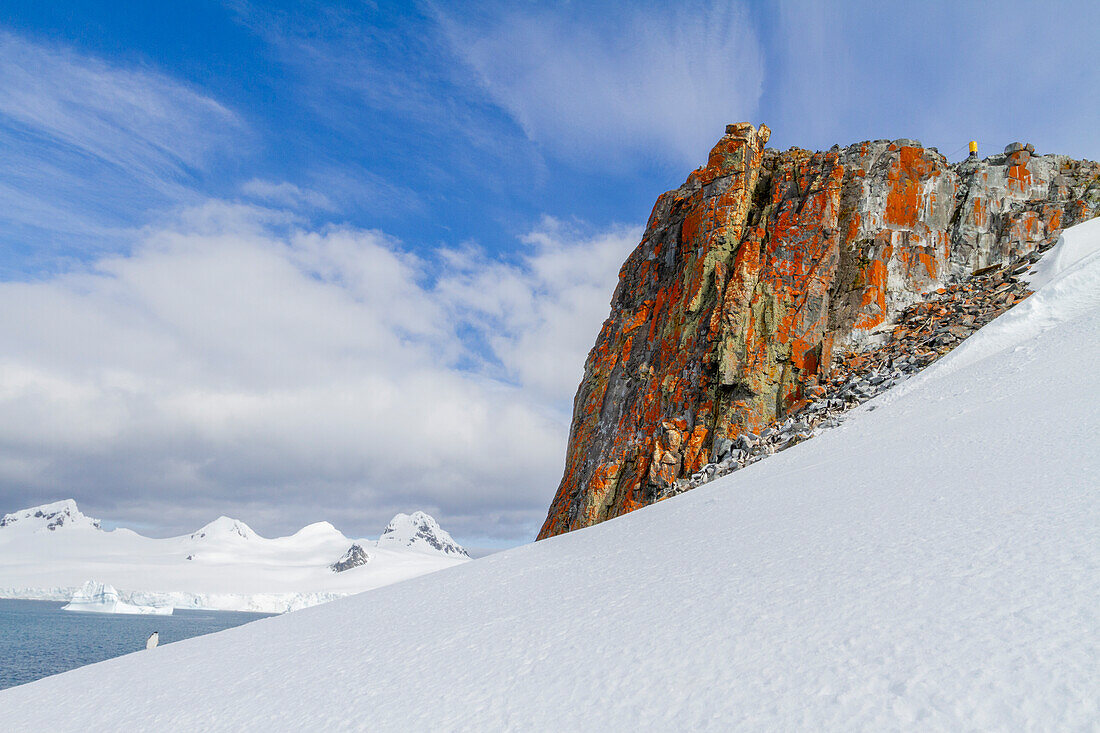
(973, 147)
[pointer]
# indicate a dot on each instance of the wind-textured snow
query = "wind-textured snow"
(932, 564)
(50, 552)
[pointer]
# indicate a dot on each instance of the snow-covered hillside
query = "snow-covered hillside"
(49, 552)
(932, 564)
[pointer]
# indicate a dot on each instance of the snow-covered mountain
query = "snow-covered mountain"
(223, 528)
(931, 564)
(420, 532)
(51, 551)
(58, 515)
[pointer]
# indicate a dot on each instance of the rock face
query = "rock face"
(749, 275)
(353, 558)
(923, 333)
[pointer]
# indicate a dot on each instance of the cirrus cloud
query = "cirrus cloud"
(602, 85)
(88, 145)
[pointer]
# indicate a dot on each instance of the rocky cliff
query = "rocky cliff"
(748, 276)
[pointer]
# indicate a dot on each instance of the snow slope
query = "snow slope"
(932, 564)
(224, 565)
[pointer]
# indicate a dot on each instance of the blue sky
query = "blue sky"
(309, 261)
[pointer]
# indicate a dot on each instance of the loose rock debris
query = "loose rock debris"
(922, 334)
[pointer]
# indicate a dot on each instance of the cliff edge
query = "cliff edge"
(748, 276)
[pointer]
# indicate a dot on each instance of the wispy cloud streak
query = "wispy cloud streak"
(85, 144)
(601, 85)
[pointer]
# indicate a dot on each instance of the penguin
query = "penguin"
(153, 640)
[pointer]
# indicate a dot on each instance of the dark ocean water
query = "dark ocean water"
(38, 639)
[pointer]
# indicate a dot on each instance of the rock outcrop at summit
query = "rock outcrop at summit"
(355, 557)
(749, 275)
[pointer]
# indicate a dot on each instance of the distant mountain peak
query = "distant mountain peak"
(53, 516)
(353, 558)
(223, 528)
(318, 530)
(419, 531)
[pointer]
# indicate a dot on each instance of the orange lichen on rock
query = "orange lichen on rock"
(1019, 177)
(903, 197)
(726, 315)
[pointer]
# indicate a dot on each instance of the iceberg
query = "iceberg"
(93, 597)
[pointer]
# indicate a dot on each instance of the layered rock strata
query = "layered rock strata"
(752, 273)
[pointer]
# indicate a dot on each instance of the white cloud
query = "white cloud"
(540, 315)
(598, 87)
(238, 363)
(286, 194)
